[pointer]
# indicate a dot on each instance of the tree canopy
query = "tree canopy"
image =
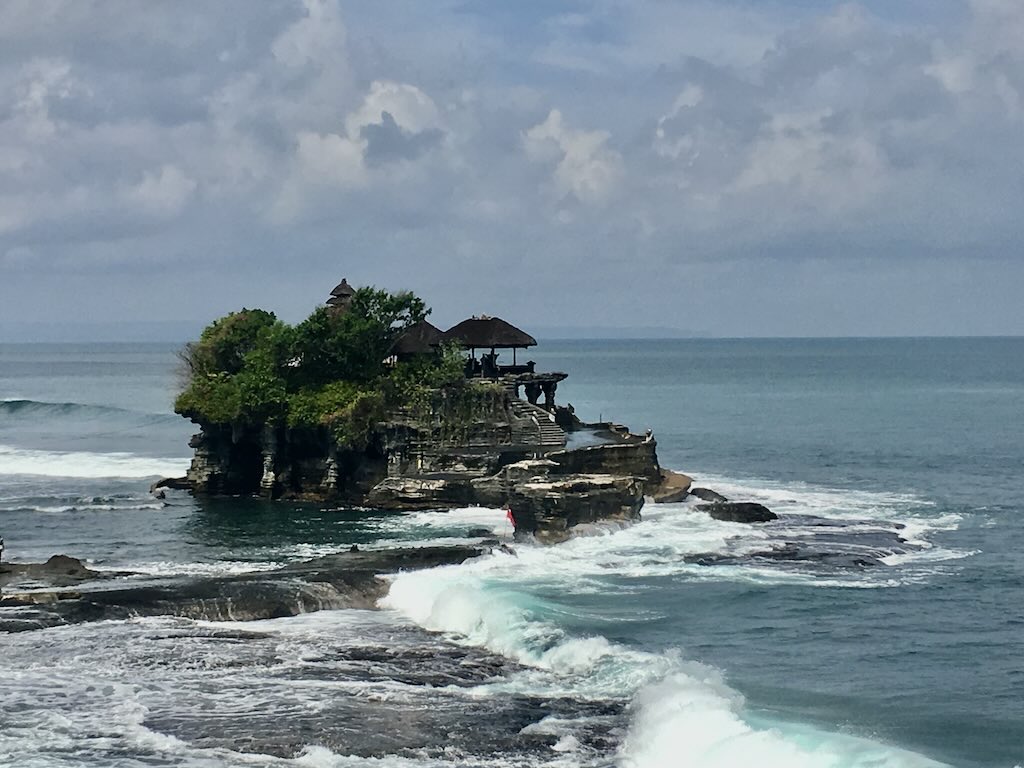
(331, 369)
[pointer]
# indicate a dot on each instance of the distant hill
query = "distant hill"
(615, 332)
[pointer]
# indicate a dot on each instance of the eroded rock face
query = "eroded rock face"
(739, 512)
(58, 571)
(549, 509)
(674, 487)
(344, 580)
(409, 465)
(428, 492)
(634, 457)
(546, 503)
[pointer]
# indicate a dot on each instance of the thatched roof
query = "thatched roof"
(486, 332)
(343, 289)
(418, 339)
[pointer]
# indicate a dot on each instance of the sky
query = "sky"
(726, 168)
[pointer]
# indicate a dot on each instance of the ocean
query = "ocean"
(879, 622)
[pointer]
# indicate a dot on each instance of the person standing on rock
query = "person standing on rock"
(1, 549)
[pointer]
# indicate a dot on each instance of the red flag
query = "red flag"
(508, 514)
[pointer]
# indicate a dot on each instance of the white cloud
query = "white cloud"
(686, 131)
(332, 158)
(584, 165)
(162, 193)
(342, 159)
(796, 156)
(317, 39)
(44, 81)
(411, 108)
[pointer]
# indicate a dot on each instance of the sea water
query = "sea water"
(879, 622)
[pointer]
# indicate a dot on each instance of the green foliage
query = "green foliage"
(224, 343)
(328, 371)
(414, 383)
(315, 407)
(353, 345)
(236, 369)
(353, 424)
(213, 397)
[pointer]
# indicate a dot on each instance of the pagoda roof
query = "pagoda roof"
(419, 338)
(343, 289)
(485, 332)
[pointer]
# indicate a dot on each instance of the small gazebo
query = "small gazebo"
(422, 338)
(491, 333)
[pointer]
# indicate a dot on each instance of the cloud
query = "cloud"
(395, 122)
(162, 193)
(584, 166)
(613, 146)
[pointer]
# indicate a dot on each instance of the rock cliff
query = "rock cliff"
(508, 453)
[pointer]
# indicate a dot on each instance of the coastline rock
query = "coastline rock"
(739, 512)
(426, 492)
(58, 571)
(674, 487)
(170, 483)
(707, 494)
(546, 503)
(344, 580)
(789, 553)
(631, 455)
(549, 510)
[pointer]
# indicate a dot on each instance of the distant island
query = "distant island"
(365, 402)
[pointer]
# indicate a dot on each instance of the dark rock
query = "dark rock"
(345, 580)
(707, 494)
(739, 512)
(170, 483)
(479, 533)
(58, 571)
(789, 553)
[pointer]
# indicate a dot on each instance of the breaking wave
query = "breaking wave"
(681, 712)
(19, 461)
(14, 407)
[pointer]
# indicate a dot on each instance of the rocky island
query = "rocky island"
(367, 403)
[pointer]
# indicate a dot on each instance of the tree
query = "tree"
(353, 345)
(250, 368)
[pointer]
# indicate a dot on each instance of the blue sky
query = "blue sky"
(736, 168)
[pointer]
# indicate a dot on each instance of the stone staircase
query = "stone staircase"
(542, 429)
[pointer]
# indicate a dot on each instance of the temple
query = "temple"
(480, 333)
(501, 439)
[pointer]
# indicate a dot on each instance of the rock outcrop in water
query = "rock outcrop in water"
(345, 580)
(367, 403)
(58, 571)
(739, 512)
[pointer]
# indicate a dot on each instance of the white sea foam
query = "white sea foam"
(164, 568)
(19, 461)
(693, 718)
(683, 713)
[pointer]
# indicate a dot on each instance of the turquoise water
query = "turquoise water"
(739, 660)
